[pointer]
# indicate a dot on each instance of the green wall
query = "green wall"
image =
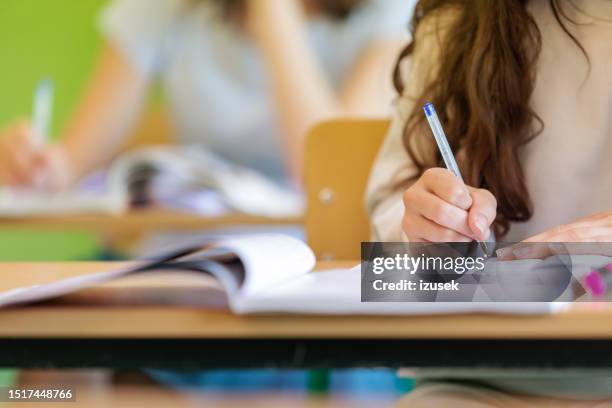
(40, 38)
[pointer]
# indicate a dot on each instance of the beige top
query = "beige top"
(568, 167)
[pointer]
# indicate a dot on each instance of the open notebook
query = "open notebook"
(187, 178)
(270, 273)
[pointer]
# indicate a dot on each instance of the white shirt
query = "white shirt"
(214, 78)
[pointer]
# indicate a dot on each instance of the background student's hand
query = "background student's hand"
(596, 230)
(440, 208)
(25, 164)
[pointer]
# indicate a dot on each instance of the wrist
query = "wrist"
(269, 21)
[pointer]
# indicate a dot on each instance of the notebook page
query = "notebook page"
(104, 192)
(22, 203)
(338, 292)
(269, 260)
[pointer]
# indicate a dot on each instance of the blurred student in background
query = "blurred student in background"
(244, 79)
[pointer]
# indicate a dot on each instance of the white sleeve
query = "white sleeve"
(385, 188)
(141, 29)
(393, 168)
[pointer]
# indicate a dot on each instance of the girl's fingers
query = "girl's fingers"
(14, 165)
(546, 244)
(441, 208)
(528, 251)
(561, 233)
(600, 219)
(444, 184)
(19, 155)
(567, 233)
(420, 229)
(23, 164)
(440, 212)
(482, 213)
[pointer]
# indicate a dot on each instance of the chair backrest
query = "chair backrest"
(338, 158)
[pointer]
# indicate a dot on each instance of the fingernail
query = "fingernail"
(480, 223)
(503, 252)
(521, 252)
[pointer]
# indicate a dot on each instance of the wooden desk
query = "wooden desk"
(187, 337)
(119, 233)
(145, 220)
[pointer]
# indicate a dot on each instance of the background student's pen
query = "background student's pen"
(42, 111)
(445, 149)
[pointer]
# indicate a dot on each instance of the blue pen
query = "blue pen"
(445, 149)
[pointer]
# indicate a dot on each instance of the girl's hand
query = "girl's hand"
(595, 229)
(24, 164)
(440, 208)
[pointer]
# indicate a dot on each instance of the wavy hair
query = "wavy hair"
(482, 90)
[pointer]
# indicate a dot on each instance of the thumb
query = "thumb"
(42, 168)
(482, 213)
(44, 158)
(52, 169)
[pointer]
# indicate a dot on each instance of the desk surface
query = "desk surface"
(144, 220)
(84, 320)
(80, 319)
(83, 325)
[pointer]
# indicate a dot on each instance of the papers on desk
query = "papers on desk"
(266, 274)
(184, 178)
(19, 203)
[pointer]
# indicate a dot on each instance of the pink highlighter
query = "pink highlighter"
(598, 281)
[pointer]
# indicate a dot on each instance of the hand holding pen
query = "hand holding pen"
(439, 207)
(27, 158)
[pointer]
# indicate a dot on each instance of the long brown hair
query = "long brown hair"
(482, 90)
